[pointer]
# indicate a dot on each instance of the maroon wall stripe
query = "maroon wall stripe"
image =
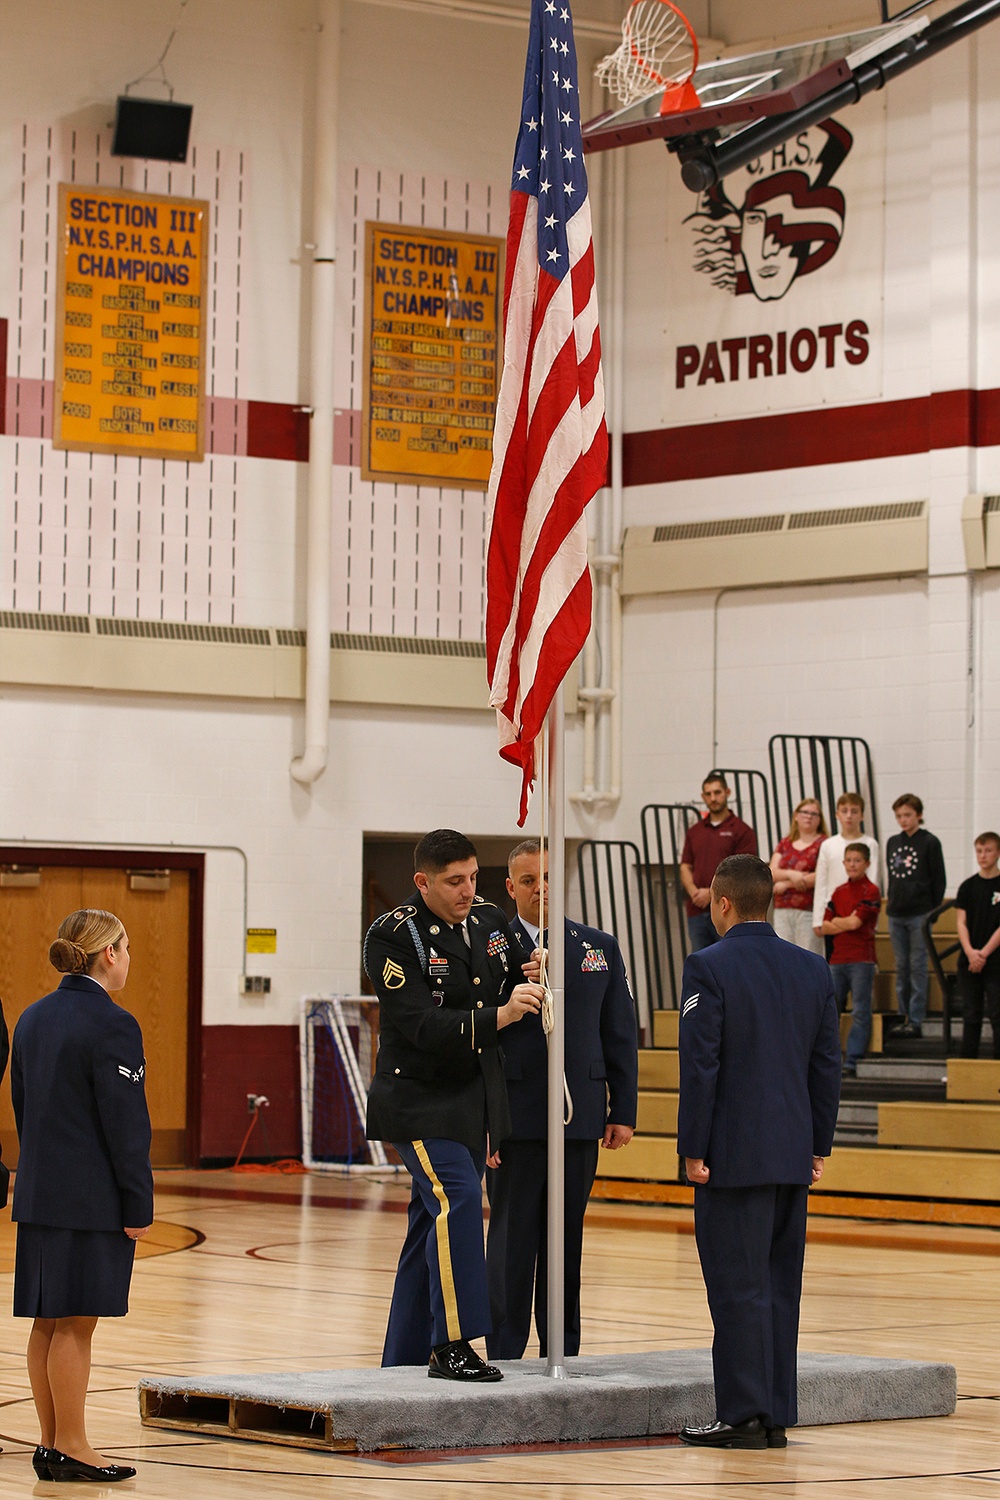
(803, 439)
(276, 430)
(3, 375)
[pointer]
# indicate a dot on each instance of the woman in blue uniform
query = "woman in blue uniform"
(84, 1188)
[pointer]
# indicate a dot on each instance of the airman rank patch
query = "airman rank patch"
(133, 1075)
(392, 975)
(594, 962)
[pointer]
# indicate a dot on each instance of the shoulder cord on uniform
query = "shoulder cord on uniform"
(421, 953)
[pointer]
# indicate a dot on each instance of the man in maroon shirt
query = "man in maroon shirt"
(708, 843)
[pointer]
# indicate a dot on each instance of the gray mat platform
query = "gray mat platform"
(604, 1396)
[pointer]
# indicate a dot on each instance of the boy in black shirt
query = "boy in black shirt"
(978, 916)
(916, 882)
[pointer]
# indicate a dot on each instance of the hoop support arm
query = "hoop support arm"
(705, 162)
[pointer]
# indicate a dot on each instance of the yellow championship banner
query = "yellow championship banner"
(130, 323)
(432, 317)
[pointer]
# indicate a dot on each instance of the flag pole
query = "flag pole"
(555, 1210)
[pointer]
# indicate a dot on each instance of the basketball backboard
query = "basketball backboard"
(737, 91)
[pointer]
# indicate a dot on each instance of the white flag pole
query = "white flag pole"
(555, 1208)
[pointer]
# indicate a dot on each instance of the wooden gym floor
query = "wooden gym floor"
(258, 1272)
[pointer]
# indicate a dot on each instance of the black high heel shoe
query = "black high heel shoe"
(40, 1462)
(63, 1468)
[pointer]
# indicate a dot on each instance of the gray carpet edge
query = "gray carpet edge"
(653, 1394)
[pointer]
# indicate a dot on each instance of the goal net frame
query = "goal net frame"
(337, 1014)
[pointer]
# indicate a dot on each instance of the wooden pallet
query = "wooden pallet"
(231, 1416)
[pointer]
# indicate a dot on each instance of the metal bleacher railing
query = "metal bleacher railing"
(613, 898)
(639, 897)
(939, 950)
(664, 829)
(751, 801)
(821, 766)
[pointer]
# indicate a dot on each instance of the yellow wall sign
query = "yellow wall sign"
(262, 939)
(432, 305)
(130, 323)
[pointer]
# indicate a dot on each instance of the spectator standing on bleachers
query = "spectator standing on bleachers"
(850, 919)
(916, 876)
(978, 920)
(709, 841)
(793, 866)
(830, 864)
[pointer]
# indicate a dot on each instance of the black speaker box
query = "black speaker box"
(156, 129)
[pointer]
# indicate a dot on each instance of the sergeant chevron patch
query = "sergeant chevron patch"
(690, 1003)
(392, 975)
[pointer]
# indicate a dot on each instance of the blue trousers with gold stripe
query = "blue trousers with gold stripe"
(440, 1292)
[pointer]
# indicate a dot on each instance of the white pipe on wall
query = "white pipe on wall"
(602, 674)
(312, 762)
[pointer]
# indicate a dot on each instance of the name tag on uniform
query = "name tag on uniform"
(438, 965)
(594, 962)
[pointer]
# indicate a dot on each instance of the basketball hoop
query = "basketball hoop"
(658, 50)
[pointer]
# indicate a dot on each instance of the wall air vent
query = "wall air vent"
(689, 531)
(122, 655)
(20, 619)
(174, 630)
(847, 515)
(981, 531)
(813, 546)
(407, 645)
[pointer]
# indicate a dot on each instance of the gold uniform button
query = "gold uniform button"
(475, 981)
(479, 1005)
(480, 1051)
(395, 1070)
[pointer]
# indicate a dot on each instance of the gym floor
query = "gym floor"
(260, 1272)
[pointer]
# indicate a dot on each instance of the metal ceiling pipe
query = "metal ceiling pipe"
(311, 764)
(703, 163)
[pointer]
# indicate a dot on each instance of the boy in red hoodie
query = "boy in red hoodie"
(850, 919)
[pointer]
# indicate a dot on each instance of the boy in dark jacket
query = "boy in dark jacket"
(916, 882)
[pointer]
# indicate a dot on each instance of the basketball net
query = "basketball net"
(658, 50)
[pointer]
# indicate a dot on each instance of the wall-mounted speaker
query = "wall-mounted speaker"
(156, 129)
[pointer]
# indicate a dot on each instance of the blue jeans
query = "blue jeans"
(701, 931)
(910, 951)
(856, 980)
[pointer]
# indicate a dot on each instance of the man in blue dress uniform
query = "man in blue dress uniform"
(759, 1092)
(601, 1073)
(447, 974)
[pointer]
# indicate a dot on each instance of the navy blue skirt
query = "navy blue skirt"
(71, 1273)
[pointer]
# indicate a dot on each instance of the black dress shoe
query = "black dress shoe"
(748, 1434)
(40, 1462)
(62, 1468)
(776, 1437)
(459, 1361)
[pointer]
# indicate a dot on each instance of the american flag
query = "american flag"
(550, 441)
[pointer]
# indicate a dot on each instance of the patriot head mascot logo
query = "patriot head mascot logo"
(781, 219)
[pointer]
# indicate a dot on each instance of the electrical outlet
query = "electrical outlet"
(251, 1103)
(255, 984)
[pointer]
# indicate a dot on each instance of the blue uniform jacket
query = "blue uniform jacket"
(759, 1059)
(77, 1080)
(601, 1047)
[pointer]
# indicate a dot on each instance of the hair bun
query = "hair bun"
(67, 957)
